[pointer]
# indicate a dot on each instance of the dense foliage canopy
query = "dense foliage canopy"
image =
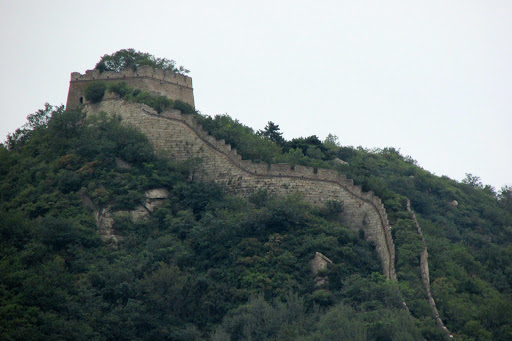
(207, 265)
(467, 226)
(129, 58)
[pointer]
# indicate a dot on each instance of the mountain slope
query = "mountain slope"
(179, 274)
(210, 265)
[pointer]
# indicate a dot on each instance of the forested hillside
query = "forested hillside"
(207, 265)
(204, 265)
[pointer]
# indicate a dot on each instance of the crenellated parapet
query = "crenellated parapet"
(180, 137)
(142, 71)
(173, 85)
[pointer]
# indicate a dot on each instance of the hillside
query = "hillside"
(204, 263)
(198, 262)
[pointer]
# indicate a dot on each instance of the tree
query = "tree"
(505, 197)
(472, 180)
(272, 133)
(129, 58)
(95, 91)
(37, 120)
(332, 142)
(310, 146)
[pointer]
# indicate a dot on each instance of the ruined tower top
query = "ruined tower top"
(170, 84)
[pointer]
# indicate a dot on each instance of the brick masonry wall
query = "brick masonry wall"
(170, 84)
(425, 275)
(180, 137)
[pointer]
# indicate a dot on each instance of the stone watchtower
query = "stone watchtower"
(173, 85)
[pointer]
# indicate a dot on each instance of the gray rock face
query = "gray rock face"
(155, 198)
(123, 164)
(340, 161)
(158, 193)
(105, 222)
(318, 265)
(105, 217)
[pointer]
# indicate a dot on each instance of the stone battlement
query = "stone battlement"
(180, 137)
(173, 85)
(142, 71)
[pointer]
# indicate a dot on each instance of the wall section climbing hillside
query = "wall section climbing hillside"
(180, 137)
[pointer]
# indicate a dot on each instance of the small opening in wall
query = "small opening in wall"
(81, 100)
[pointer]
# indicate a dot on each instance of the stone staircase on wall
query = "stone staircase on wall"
(180, 137)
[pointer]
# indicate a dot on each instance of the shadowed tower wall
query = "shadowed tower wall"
(157, 81)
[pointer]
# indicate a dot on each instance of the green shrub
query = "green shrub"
(94, 92)
(240, 137)
(331, 210)
(161, 103)
(120, 88)
(184, 107)
(158, 102)
(130, 59)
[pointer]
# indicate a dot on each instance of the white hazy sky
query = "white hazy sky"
(432, 78)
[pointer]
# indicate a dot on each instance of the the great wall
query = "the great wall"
(180, 137)
(425, 275)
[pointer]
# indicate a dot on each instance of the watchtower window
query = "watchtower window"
(81, 100)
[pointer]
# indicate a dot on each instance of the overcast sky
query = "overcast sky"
(431, 78)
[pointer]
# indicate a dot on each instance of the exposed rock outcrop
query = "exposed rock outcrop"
(155, 198)
(318, 267)
(122, 164)
(105, 217)
(340, 161)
